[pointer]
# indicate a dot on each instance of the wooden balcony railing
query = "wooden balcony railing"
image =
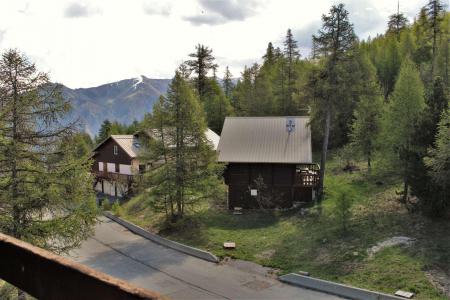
(45, 275)
(116, 176)
(307, 175)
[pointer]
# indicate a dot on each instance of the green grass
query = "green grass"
(315, 243)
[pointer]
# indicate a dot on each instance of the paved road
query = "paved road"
(116, 251)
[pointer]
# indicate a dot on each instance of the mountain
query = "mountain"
(123, 101)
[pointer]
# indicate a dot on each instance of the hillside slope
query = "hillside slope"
(122, 101)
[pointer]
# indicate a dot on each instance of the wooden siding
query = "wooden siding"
(105, 154)
(281, 182)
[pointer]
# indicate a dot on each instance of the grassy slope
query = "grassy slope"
(290, 242)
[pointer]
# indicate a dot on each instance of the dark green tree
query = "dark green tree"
(201, 64)
(46, 195)
(105, 131)
(435, 13)
(291, 55)
(396, 23)
(228, 84)
(334, 42)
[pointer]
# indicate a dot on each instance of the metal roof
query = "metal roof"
(127, 143)
(265, 140)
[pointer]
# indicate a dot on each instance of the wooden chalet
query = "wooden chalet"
(116, 165)
(269, 161)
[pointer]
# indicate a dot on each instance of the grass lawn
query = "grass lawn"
(315, 242)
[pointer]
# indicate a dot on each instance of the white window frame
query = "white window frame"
(100, 166)
(115, 150)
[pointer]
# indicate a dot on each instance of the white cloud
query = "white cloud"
(106, 40)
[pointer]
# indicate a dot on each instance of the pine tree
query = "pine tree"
(228, 84)
(397, 22)
(291, 55)
(105, 131)
(46, 193)
(269, 58)
(201, 64)
(404, 113)
(334, 41)
(190, 171)
(434, 11)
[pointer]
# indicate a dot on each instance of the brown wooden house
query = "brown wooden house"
(269, 161)
(116, 165)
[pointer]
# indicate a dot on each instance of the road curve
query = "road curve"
(116, 251)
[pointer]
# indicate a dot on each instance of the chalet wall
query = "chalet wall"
(279, 181)
(105, 153)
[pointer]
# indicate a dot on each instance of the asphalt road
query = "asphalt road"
(116, 251)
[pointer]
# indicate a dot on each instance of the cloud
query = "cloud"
(157, 8)
(217, 12)
(365, 16)
(78, 10)
(303, 35)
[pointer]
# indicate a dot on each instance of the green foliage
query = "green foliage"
(367, 115)
(438, 163)
(217, 107)
(186, 170)
(344, 200)
(402, 117)
(46, 193)
(117, 209)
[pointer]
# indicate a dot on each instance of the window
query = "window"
(116, 151)
(100, 166)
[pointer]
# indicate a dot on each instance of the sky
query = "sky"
(88, 43)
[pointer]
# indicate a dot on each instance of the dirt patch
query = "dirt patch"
(393, 241)
(440, 280)
(268, 254)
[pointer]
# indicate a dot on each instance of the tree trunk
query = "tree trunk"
(324, 152)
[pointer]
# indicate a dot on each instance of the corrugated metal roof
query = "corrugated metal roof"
(127, 143)
(265, 140)
(210, 135)
(213, 138)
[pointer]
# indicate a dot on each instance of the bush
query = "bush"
(344, 200)
(105, 204)
(117, 209)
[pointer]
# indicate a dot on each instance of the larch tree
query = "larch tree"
(190, 171)
(403, 115)
(438, 162)
(46, 195)
(334, 41)
(367, 115)
(201, 63)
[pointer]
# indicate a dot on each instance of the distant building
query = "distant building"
(116, 165)
(269, 161)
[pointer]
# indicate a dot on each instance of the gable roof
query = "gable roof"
(126, 141)
(265, 140)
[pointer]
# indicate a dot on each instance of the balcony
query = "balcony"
(45, 275)
(307, 175)
(116, 176)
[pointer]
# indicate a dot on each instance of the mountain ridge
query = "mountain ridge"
(123, 101)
